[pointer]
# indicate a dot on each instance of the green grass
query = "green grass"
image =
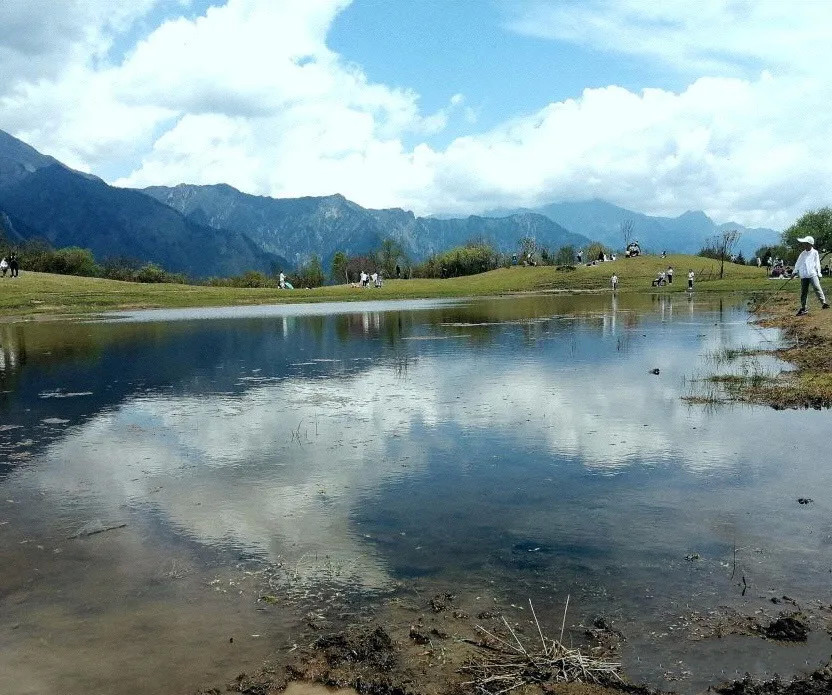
(38, 294)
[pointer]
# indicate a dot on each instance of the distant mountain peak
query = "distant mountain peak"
(694, 215)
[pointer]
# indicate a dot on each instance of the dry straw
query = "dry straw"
(510, 664)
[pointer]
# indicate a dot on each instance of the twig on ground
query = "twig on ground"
(509, 666)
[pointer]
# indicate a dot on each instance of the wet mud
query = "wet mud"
(406, 646)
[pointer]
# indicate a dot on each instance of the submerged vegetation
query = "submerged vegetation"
(808, 349)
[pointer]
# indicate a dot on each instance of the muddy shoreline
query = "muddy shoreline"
(437, 645)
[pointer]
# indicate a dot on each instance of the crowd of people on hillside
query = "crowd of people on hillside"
(10, 265)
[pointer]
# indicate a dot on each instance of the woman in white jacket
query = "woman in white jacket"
(807, 267)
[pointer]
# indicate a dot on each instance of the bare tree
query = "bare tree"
(627, 232)
(724, 244)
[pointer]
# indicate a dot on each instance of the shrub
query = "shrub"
(566, 255)
(67, 261)
(150, 272)
(459, 261)
(310, 274)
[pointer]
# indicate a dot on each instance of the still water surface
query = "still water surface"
(519, 446)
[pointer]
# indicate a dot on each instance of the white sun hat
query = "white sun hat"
(807, 240)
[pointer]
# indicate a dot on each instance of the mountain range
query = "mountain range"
(687, 233)
(298, 227)
(218, 230)
(42, 198)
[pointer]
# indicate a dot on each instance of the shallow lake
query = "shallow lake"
(163, 472)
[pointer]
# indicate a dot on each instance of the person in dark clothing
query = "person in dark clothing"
(14, 265)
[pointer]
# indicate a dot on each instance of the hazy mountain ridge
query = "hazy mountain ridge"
(687, 233)
(298, 227)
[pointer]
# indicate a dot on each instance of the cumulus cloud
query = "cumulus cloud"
(249, 93)
(41, 38)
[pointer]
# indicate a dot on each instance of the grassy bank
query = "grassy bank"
(35, 295)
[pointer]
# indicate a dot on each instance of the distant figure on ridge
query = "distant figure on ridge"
(807, 267)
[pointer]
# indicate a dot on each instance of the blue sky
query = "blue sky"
(446, 47)
(439, 107)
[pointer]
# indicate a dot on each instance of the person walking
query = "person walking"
(807, 267)
(690, 280)
(4, 266)
(614, 282)
(670, 275)
(14, 265)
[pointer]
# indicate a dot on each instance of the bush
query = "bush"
(566, 255)
(311, 274)
(459, 261)
(150, 272)
(120, 268)
(67, 261)
(254, 278)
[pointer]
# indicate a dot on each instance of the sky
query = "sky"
(436, 106)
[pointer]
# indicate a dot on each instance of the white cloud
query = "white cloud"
(250, 94)
(709, 36)
(42, 38)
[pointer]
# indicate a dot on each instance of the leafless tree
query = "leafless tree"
(724, 244)
(627, 232)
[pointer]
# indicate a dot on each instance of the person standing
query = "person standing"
(690, 280)
(614, 282)
(14, 265)
(807, 267)
(670, 275)
(4, 266)
(281, 281)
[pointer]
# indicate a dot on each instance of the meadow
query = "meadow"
(42, 295)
